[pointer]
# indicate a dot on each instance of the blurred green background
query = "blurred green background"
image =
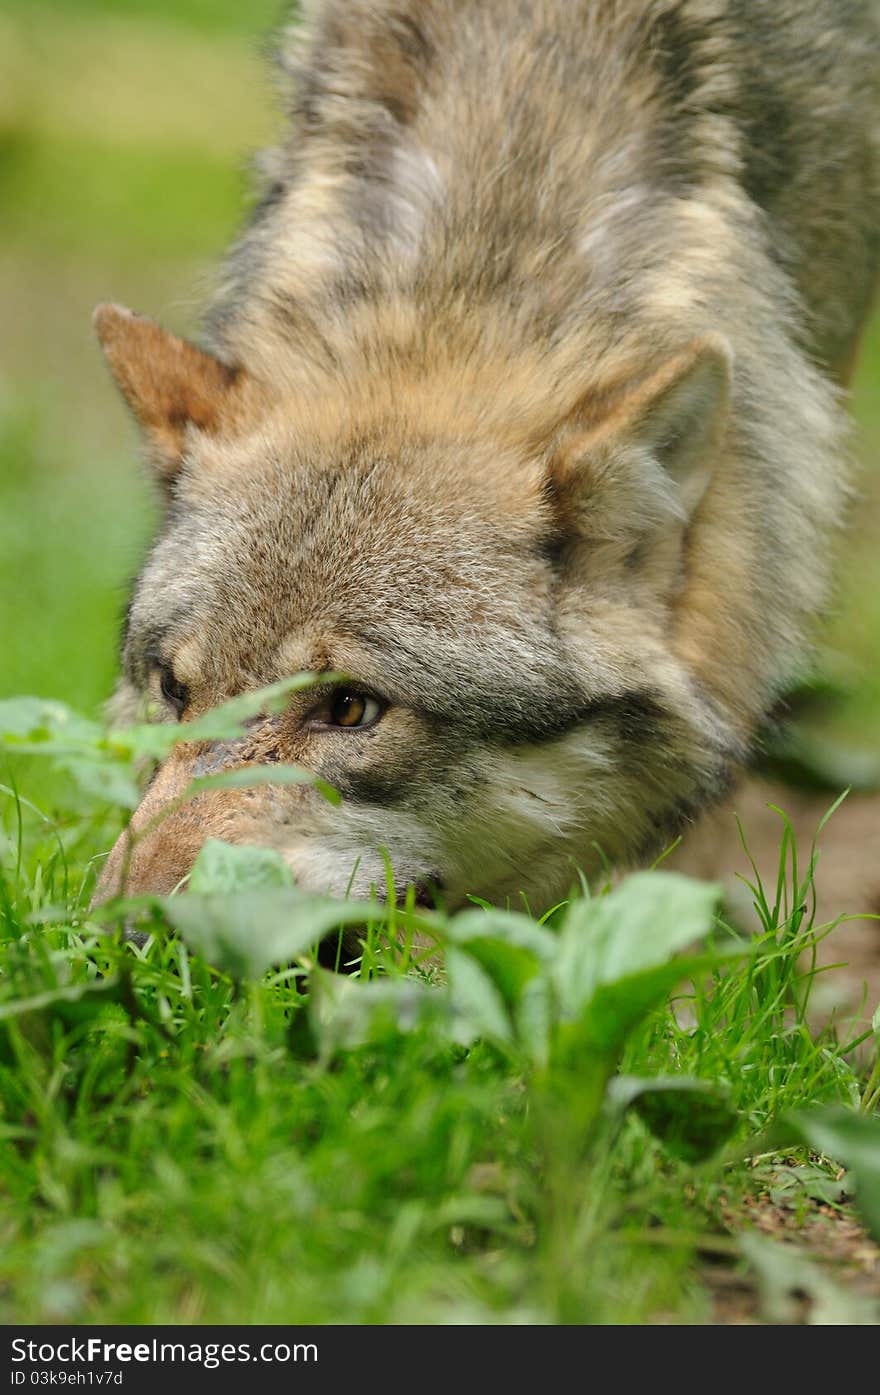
(126, 128)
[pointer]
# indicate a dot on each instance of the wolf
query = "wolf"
(520, 407)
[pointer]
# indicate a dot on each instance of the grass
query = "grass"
(205, 1129)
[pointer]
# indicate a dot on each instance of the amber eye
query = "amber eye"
(172, 691)
(348, 707)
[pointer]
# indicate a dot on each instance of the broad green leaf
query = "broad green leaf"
(691, 1117)
(509, 967)
(850, 1139)
(39, 719)
(514, 953)
(616, 955)
(106, 780)
(21, 716)
(247, 933)
(478, 1005)
(788, 1185)
(227, 867)
(533, 1019)
(249, 775)
(612, 1012)
(508, 927)
(345, 1013)
(637, 927)
(222, 723)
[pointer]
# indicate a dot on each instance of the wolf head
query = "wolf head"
(502, 601)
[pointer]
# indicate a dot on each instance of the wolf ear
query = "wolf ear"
(168, 383)
(646, 455)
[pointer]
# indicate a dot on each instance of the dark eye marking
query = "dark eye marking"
(174, 693)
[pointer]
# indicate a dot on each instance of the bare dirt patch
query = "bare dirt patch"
(828, 1269)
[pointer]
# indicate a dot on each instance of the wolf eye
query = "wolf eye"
(349, 708)
(172, 691)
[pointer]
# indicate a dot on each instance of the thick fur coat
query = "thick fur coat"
(521, 407)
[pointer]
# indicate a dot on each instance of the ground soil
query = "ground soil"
(827, 1237)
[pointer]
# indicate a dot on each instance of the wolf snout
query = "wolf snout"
(159, 846)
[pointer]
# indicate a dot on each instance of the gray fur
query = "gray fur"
(488, 229)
